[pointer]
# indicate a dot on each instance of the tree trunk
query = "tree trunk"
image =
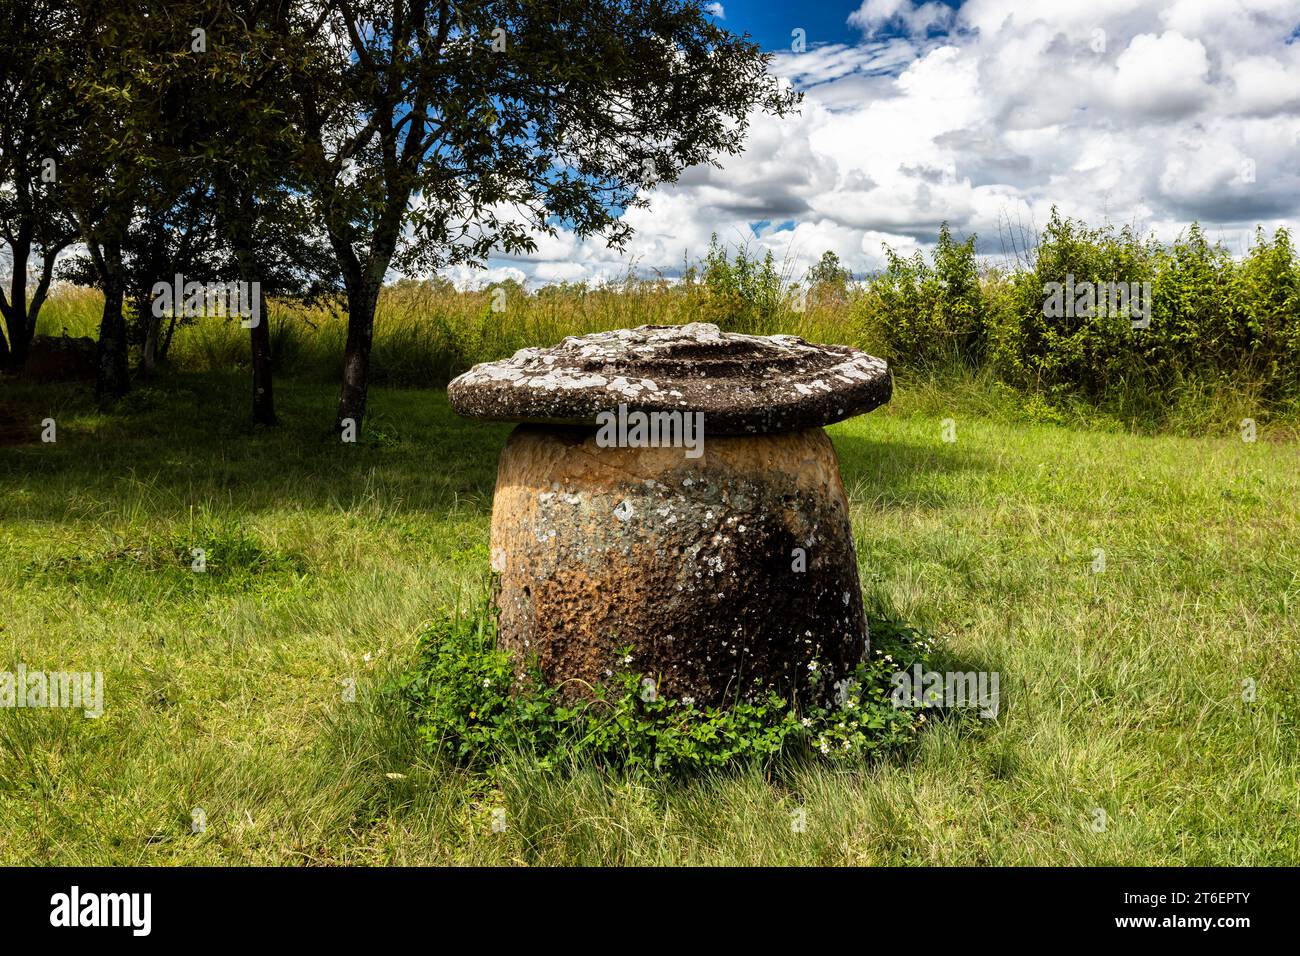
(259, 333)
(260, 343)
(21, 313)
(17, 323)
(237, 218)
(20, 328)
(6, 354)
(356, 359)
(111, 377)
(23, 342)
(166, 342)
(149, 357)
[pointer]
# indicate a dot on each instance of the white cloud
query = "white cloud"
(716, 10)
(1267, 84)
(916, 17)
(1161, 75)
(1138, 112)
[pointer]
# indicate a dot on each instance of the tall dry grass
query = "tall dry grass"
(426, 333)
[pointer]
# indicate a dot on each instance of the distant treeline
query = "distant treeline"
(1207, 320)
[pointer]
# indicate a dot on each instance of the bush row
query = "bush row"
(1199, 313)
(1206, 317)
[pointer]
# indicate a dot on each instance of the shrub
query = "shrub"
(740, 294)
(1192, 323)
(925, 314)
(1266, 328)
(1032, 345)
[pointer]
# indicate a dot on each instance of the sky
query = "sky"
(983, 114)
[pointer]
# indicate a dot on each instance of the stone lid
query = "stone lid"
(744, 384)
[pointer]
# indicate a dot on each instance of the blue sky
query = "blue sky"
(1149, 113)
(771, 23)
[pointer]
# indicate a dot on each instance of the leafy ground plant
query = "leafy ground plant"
(472, 707)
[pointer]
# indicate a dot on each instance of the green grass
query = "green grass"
(1121, 690)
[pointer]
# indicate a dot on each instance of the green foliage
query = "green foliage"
(471, 706)
(829, 271)
(1212, 318)
(1213, 322)
(1266, 293)
(925, 313)
(1030, 344)
(740, 293)
(828, 281)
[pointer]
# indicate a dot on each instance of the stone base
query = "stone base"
(716, 571)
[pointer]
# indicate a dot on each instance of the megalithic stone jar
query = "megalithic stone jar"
(671, 497)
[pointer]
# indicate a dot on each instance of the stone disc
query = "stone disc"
(744, 384)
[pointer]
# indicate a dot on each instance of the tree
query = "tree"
(107, 64)
(32, 222)
(184, 164)
(449, 130)
(829, 280)
(170, 238)
(170, 235)
(244, 140)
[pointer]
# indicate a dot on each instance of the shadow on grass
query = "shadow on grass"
(186, 442)
(896, 474)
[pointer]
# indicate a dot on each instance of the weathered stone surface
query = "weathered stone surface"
(744, 384)
(691, 563)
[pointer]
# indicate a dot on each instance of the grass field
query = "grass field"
(1122, 691)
